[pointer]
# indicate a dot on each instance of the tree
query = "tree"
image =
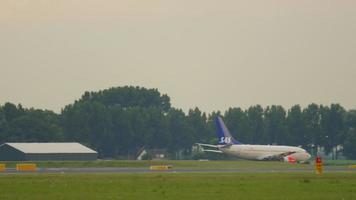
(156, 133)
(255, 122)
(350, 143)
(119, 121)
(35, 126)
(129, 96)
(211, 126)
(296, 127)
(237, 122)
(312, 118)
(11, 112)
(332, 128)
(3, 127)
(197, 123)
(350, 138)
(89, 123)
(275, 125)
(181, 136)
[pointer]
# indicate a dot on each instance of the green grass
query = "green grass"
(339, 162)
(185, 164)
(195, 186)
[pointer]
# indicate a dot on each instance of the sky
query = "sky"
(211, 54)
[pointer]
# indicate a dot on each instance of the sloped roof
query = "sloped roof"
(71, 147)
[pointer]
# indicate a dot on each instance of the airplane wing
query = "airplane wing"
(278, 156)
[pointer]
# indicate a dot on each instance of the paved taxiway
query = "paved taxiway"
(146, 170)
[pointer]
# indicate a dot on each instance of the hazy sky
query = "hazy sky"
(213, 54)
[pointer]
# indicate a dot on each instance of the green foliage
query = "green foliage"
(332, 127)
(350, 140)
(296, 126)
(312, 118)
(275, 125)
(254, 116)
(129, 96)
(120, 121)
(237, 120)
(28, 125)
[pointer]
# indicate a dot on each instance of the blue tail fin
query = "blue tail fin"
(223, 133)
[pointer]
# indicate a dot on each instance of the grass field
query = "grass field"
(306, 185)
(178, 163)
(184, 164)
(181, 164)
(179, 186)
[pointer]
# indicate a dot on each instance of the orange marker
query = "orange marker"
(318, 165)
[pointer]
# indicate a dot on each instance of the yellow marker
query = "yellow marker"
(352, 166)
(2, 167)
(26, 167)
(160, 167)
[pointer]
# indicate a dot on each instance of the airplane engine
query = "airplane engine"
(290, 159)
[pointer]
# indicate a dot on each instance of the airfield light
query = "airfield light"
(318, 165)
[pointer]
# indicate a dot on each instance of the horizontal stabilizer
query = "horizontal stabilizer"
(214, 151)
(207, 145)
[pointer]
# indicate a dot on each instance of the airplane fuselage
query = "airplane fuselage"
(260, 152)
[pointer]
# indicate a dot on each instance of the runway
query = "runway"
(147, 170)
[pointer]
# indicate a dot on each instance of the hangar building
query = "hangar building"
(46, 151)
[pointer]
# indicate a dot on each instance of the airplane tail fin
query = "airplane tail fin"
(223, 133)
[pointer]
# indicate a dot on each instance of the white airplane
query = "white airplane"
(228, 145)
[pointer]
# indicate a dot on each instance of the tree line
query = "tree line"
(118, 122)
